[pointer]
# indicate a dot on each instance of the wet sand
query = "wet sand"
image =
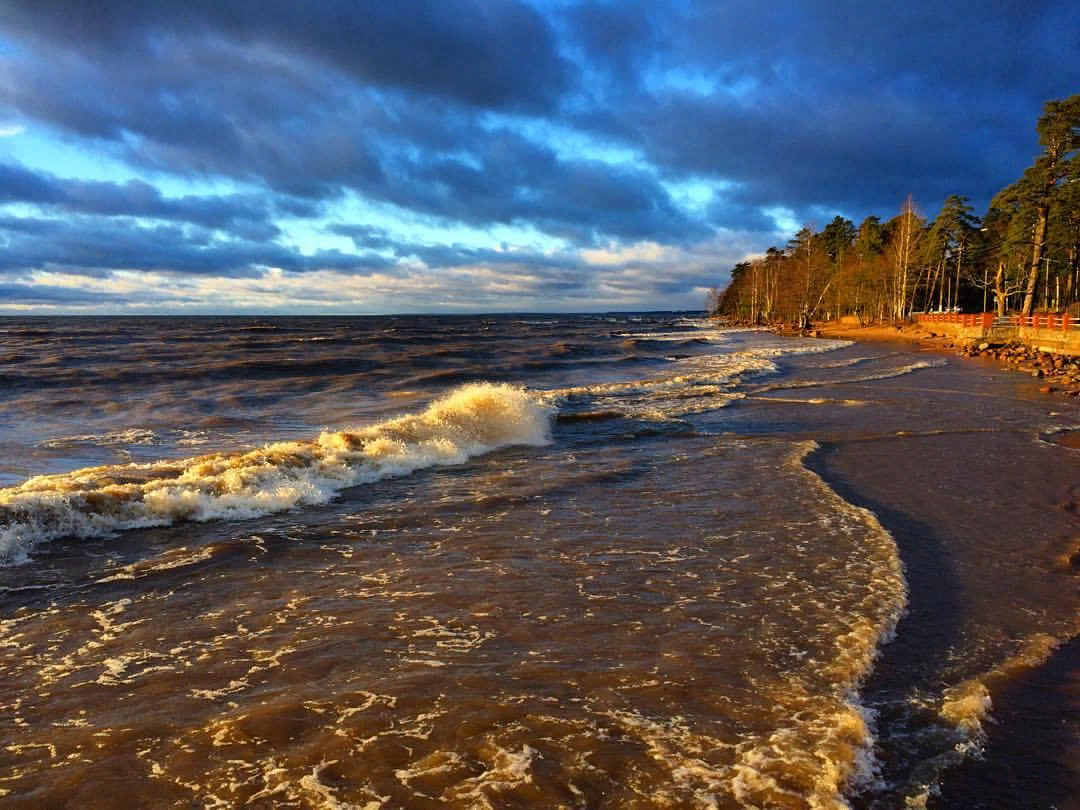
(1032, 747)
(1031, 755)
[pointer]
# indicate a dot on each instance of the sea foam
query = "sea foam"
(471, 420)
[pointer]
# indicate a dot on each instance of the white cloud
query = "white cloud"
(648, 252)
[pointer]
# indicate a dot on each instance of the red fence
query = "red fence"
(964, 319)
(1043, 320)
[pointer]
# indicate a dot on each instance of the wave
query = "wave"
(469, 421)
(855, 361)
(692, 385)
(1067, 436)
(822, 749)
(960, 713)
(888, 374)
(131, 437)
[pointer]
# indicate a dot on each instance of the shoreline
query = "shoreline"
(1028, 745)
(1057, 372)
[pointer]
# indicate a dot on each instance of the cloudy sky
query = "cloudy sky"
(356, 156)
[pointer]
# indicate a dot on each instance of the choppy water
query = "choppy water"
(581, 562)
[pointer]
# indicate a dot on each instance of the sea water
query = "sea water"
(625, 561)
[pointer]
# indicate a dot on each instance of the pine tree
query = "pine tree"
(1059, 136)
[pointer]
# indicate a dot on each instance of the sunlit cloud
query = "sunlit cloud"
(649, 252)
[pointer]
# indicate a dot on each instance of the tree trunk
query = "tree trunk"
(1036, 257)
(1000, 299)
(1070, 276)
(959, 257)
(939, 282)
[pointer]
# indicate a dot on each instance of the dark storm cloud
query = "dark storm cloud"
(849, 106)
(449, 111)
(135, 198)
(506, 178)
(619, 38)
(92, 246)
(29, 294)
(490, 55)
(367, 237)
(228, 105)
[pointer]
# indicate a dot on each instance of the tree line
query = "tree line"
(1022, 254)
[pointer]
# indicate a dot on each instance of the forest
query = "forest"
(1021, 255)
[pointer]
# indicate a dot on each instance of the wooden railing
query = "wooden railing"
(1044, 320)
(985, 319)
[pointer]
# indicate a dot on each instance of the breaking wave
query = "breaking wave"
(469, 421)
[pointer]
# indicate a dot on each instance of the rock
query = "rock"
(984, 346)
(1037, 372)
(1047, 389)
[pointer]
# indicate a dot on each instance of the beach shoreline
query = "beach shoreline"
(1058, 373)
(1029, 743)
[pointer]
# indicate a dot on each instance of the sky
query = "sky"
(480, 156)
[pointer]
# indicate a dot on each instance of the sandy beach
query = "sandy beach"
(910, 333)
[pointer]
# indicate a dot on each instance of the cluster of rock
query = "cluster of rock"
(1061, 372)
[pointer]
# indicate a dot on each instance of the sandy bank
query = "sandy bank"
(909, 332)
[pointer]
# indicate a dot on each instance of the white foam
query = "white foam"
(887, 374)
(471, 420)
(118, 438)
(823, 748)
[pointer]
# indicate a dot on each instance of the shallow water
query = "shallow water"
(625, 561)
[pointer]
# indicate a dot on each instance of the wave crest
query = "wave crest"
(469, 421)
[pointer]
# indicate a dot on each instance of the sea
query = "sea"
(529, 561)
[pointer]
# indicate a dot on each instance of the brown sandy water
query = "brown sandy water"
(721, 570)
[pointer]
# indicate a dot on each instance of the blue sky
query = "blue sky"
(485, 155)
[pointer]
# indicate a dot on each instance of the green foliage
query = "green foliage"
(839, 237)
(870, 239)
